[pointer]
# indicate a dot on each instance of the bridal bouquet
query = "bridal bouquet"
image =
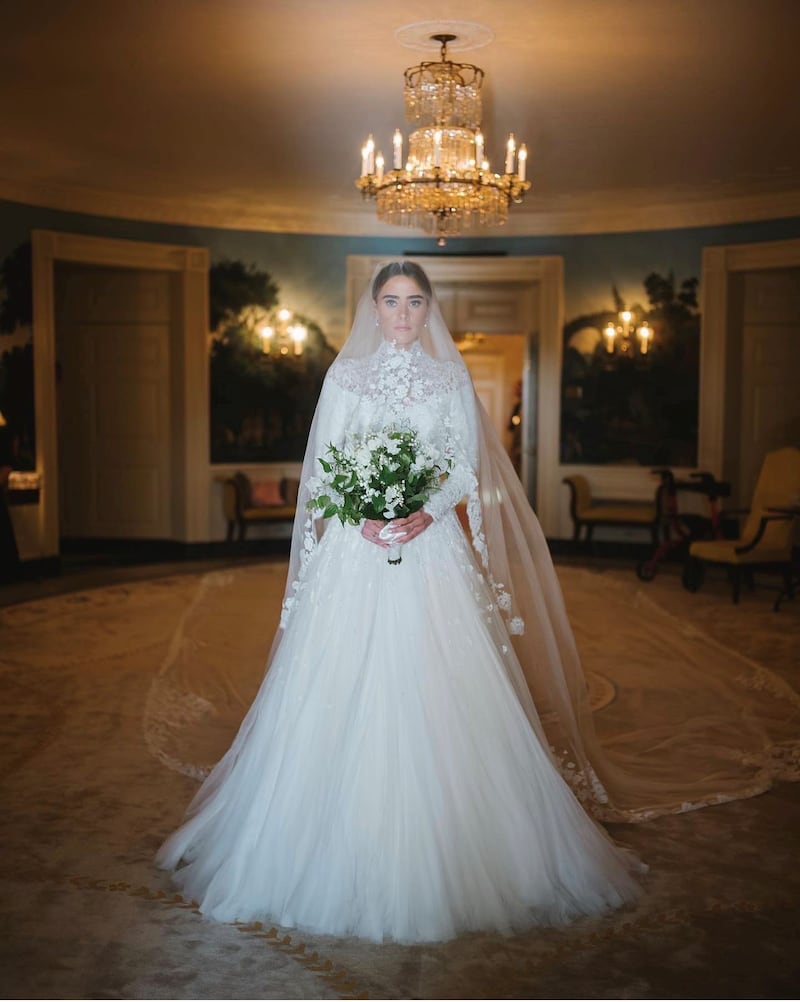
(382, 475)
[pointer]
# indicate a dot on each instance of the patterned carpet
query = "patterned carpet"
(87, 798)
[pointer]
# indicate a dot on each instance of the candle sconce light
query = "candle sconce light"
(280, 337)
(619, 339)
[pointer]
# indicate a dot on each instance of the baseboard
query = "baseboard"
(80, 554)
(609, 549)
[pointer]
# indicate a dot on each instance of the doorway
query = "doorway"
(496, 363)
(173, 491)
(750, 358)
(113, 332)
(763, 399)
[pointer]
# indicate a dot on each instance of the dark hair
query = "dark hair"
(407, 268)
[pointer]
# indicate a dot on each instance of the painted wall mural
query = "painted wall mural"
(630, 379)
(267, 367)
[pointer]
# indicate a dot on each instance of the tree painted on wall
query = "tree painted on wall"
(261, 405)
(634, 408)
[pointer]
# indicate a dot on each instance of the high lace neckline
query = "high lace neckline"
(393, 348)
(399, 376)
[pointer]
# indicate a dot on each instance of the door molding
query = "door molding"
(719, 264)
(189, 387)
(543, 328)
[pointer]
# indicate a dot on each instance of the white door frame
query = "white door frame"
(547, 325)
(719, 264)
(190, 404)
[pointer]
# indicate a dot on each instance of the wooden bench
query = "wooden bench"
(246, 502)
(588, 512)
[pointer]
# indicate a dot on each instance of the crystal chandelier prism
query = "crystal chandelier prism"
(445, 186)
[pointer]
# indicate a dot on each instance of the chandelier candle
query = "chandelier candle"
(511, 147)
(522, 160)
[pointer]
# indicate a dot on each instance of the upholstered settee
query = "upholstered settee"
(588, 511)
(246, 501)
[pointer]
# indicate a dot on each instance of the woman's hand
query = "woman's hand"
(406, 528)
(412, 526)
(370, 530)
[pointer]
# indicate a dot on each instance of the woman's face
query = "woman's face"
(402, 310)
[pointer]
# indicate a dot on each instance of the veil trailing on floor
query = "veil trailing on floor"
(723, 728)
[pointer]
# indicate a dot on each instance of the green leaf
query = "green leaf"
(330, 511)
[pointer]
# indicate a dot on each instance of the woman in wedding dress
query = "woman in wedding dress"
(392, 779)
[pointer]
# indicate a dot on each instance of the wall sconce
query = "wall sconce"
(279, 337)
(622, 331)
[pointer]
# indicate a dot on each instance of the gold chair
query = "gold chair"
(767, 537)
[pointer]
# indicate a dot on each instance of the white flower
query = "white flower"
(314, 486)
(394, 496)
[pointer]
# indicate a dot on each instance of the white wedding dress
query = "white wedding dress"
(388, 781)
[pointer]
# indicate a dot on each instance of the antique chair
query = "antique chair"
(587, 511)
(766, 539)
(246, 502)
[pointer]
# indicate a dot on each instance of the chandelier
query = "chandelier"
(445, 186)
(618, 338)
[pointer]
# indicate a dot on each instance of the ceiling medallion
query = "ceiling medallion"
(445, 186)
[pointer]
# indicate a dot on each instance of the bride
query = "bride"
(393, 779)
(416, 763)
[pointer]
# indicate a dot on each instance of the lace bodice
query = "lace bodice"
(399, 376)
(398, 387)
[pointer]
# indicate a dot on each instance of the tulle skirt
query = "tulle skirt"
(387, 782)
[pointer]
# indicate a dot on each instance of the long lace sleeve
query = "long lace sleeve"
(328, 427)
(460, 446)
(331, 420)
